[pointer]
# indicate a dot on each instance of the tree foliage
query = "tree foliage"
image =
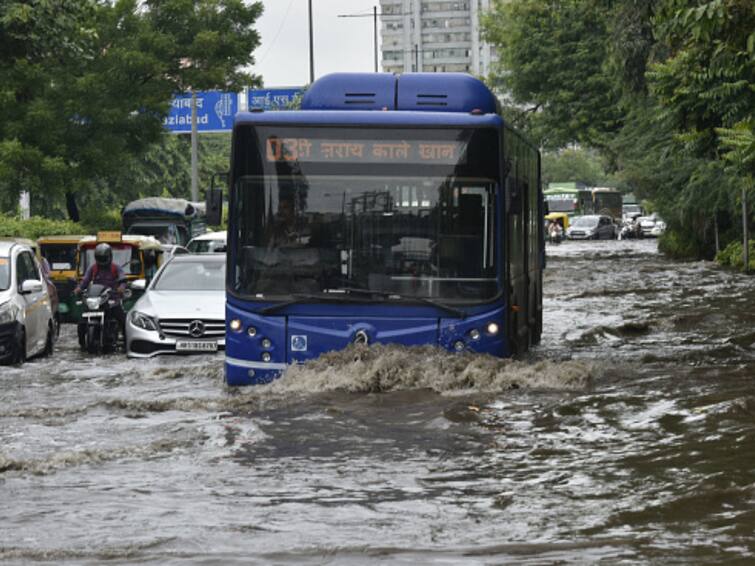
(553, 67)
(665, 89)
(85, 86)
(575, 164)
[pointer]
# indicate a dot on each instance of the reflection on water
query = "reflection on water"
(626, 436)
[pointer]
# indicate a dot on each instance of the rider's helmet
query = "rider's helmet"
(103, 255)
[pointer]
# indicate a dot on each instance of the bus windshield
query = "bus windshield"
(429, 237)
(409, 212)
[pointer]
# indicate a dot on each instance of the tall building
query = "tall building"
(428, 36)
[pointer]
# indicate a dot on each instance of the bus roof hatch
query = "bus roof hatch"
(429, 92)
(351, 91)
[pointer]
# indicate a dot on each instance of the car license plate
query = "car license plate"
(192, 346)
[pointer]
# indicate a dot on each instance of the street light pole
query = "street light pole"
(311, 47)
(374, 29)
(374, 15)
(194, 149)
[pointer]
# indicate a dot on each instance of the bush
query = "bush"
(96, 219)
(92, 221)
(681, 244)
(37, 226)
(733, 256)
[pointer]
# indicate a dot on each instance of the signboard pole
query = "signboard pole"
(311, 47)
(375, 35)
(194, 150)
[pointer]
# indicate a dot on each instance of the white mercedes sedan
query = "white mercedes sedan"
(182, 310)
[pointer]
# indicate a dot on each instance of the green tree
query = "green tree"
(669, 105)
(85, 86)
(575, 164)
(553, 69)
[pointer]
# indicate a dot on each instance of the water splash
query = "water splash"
(93, 456)
(381, 368)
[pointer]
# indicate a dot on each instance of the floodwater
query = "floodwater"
(627, 436)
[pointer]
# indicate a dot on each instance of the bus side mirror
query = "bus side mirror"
(214, 202)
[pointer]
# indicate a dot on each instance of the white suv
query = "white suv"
(209, 243)
(26, 318)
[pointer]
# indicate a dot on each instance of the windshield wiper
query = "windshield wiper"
(334, 295)
(303, 298)
(408, 298)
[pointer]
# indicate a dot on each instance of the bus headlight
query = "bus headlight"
(492, 328)
(459, 346)
(474, 334)
(266, 357)
(251, 331)
(266, 343)
(235, 325)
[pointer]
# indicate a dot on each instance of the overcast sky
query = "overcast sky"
(341, 44)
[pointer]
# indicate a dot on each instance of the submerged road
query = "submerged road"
(628, 435)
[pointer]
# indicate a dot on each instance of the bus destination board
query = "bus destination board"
(316, 150)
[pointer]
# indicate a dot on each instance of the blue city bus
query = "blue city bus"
(389, 209)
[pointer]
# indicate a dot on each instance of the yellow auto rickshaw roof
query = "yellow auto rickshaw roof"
(135, 240)
(61, 239)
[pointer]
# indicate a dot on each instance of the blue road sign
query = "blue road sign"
(272, 98)
(215, 112)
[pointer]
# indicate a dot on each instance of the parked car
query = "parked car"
(651, 225)
(591, 227)
(27, 326)
(182, 310)
(659, 228)
(212, 242)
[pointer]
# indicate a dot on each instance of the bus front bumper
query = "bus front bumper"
(263, 347)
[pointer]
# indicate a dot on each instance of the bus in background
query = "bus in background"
(577, 199)
(608, 202)
(389, 209)
(564, 197)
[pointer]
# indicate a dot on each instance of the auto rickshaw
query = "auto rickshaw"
(138, 256)
(61, 253)
(561, 217)
(555, 227)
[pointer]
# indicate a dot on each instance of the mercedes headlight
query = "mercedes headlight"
(7, 313)
(143, 321)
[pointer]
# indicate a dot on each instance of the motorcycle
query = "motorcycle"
(629, 230)
(555, 235)
(98, 329)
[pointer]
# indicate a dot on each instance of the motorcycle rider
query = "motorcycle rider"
(104, 272)
(555, 232)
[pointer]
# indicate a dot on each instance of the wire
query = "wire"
(277, 33)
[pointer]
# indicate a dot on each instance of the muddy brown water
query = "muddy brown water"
(627, 436)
